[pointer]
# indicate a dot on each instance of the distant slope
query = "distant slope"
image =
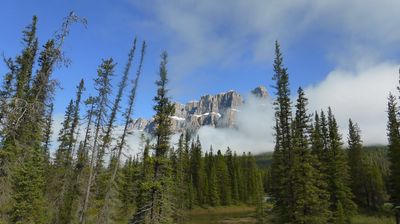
(264, 160)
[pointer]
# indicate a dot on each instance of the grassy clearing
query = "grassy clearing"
(364, 219)
(246, 215)
(222, 215)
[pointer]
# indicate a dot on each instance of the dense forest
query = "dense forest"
(90, 176)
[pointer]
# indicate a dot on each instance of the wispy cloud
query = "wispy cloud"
(208, 32)
(361, 96)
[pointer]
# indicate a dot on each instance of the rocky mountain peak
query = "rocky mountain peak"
(217, 111)
(260, 91)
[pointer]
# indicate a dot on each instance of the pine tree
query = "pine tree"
(142, 215)
(374, 187)
(338, 174)
(223, 179)
(394, 154)
(26, 60)
(127, 189)
(75, 116)
(160, 205)
(63, 161)
(243, 178)
(28, 178)
(357, 169)
(233, 175)
(48, 132)
(213, 198)
(13, 108)
(101, 104)
(282, 172)
(7, 92)
(23, 131)
(190, 176)
(196, 172)
(311, 202)
(66, 175)
(255, 186)
(104, 213)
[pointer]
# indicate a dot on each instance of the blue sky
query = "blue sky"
(215, 46)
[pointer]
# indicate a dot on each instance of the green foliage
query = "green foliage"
(159, 204)
(357, 169)
(394, 150)
(338, 173)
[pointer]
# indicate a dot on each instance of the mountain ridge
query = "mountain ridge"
(218, 111)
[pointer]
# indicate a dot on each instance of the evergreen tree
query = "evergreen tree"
(233, 175)
(143, 198)
(243, 176)
(127, 189)
(13, 108)
(24, 127)
(160, 205)
(101, 104)
(213, 198)
(48, 132)
(374, 187)
(338, 175)
(196, 172)
(28, 178)
(66, 172)
(223, 179)
(104, 213)
(63, 162)
(394, 154)
(357, 169)
(311, 202)
(282, 167)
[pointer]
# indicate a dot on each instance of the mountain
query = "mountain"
(218, 111)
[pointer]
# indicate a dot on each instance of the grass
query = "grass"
(246, 214)
(222, 215)
(365, 219)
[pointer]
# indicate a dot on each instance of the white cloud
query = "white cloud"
(200, 33)
(361, 96)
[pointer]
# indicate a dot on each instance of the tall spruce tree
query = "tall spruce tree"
(341, 197)
(223, 179)
(357, 168)
(143, 197)
(311, 202)
(196, 171)
(213, 198)
(160, 205)
(233, 175)
(105, 211)
(282, 167)
(394, 154)
(24, 129)
(101, 105)
(48, 131)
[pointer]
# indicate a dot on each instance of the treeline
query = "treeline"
(313, 178)
(88, 175)
(216, 178)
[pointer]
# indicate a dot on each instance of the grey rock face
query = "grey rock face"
(217, 111)
(260, 91)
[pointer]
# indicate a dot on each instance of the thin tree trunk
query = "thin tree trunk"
(92, 172)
